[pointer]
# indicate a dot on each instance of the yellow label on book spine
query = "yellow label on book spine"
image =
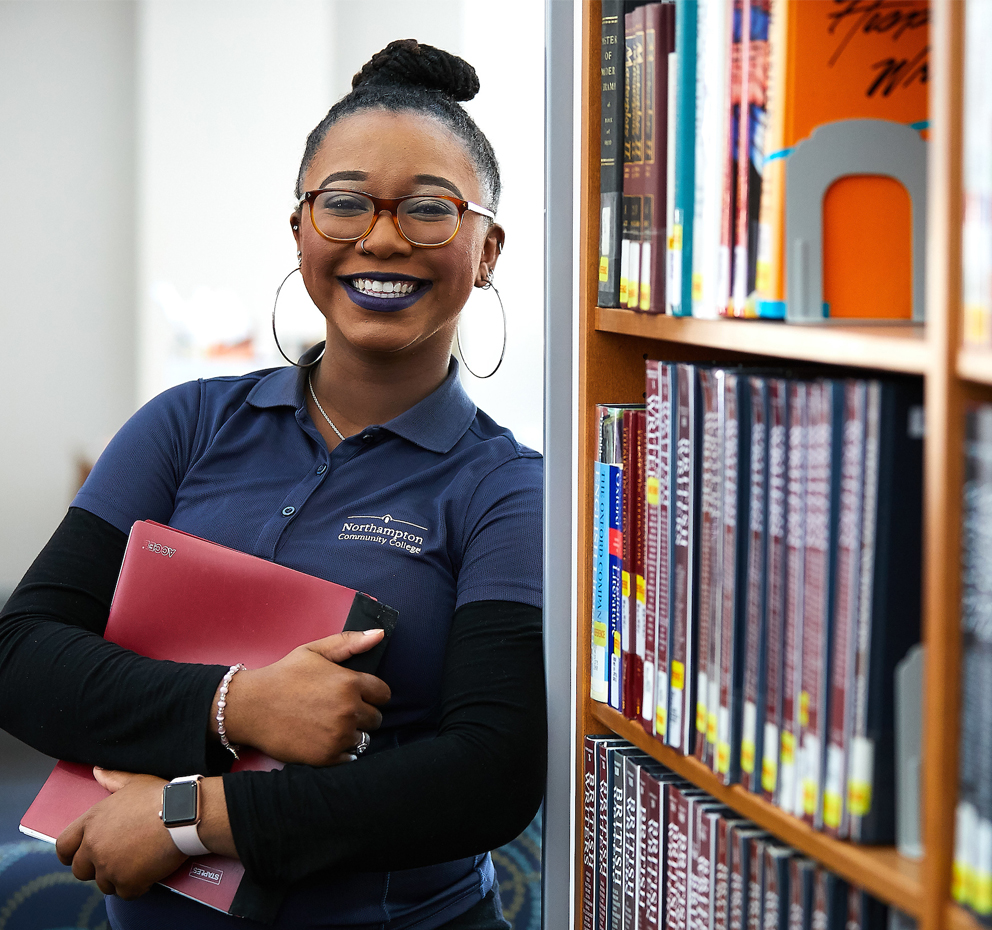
(831, 809)
(711, 727)
(654, 492)
(626, 583)
(859, 798)
(604, 269)
(747, 755)
(809, 796)
(701, 717)
(788, 748)
(645, 301)
(616, 643)
(642, 588)
(660, 721)
(697, 286)
(723, 758)
(958, 889)
(599, 634)
(981, 900)
(804, 709)
(769, 773)
(678, 676)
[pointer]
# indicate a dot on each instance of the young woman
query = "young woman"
(316, 467)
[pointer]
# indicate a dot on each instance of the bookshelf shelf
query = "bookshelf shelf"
(891, 347)
(881, 870)
(975, 365)
(612, 346)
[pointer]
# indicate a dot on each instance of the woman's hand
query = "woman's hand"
(306, 708)
(121, 842)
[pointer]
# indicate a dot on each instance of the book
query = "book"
(711, 154)
(756, 883)
(633, 162)
(678, 840)
(787, 796)
(822, 473)
(634, 676)
(680, 234)
(607, 822)
(186, 599)
(775, 587)
(612, 57)
(665, 522)
(875, 68)
(829, 900)
(599, 684)
(652, 541)
(890, 599)
(625, 845)
(591, 827)
(711, 470)
(801, 874)
(776, 886)
(650, 803)
(752, 728)
(729, 189)
(847, 582)
(733, 553)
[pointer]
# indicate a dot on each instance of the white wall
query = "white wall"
(66, 255)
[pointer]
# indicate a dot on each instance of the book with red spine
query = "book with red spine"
(825, 402)
(652, 543)
(734, 519)
(702, 878)
(624, 913)
(847, 587)
(778, 440)
(787, 795)
(678, 852)
(829, 900)
(686, 424)
(591, 787)
(633, 162)
(711, 471)
(721, 871)
(756, 884)
(604, 813)
(752, 727)
(650, 854)
(740, 876)
(776, 886)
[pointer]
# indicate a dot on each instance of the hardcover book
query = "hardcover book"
(611, 143)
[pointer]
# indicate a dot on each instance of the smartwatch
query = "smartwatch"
(181, 813)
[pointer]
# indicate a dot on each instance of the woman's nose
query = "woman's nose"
(384, 238)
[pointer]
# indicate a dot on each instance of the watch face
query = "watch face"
(179, 804)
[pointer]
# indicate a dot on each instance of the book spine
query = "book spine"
(603, 852)
(652, 293)
(610, 151)
(845, 624)
(685, 164)
(676, 881)
(665, 478)
(752, 730)
(737, 443)
(709, 570)
(625, 873)
(599, 664)
(778, 439)
(739, 285)
(618, 826)
(757, 120)
(615, 581)
(721, 885)
(728, 207)
(672, 267)
(776, 916)
(629, 30)
(788, 796)
(651, 797)
(755, 884)
(589, 834)
(816, 580)
(627, 537)
(699, 882)
(713, 54)
(652, 524)
(740, 867)
(639, 652)
(633, 185)
(801, 873)
(716, 610)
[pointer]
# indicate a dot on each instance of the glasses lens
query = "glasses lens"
(428, 220)
(342, 214)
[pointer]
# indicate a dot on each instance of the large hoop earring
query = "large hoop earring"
(485, 287)
(275, 335)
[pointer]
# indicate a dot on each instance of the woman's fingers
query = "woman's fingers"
(343, 646)
(68, 842)
(112, 779)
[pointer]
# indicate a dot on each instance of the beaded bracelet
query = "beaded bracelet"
(225, 683)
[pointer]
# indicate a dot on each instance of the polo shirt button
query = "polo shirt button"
(288, 511)
(366, 437)
(321, 469)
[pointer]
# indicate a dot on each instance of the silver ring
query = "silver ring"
(363, 743)
(365, 251)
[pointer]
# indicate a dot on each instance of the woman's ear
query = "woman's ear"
(491, 249)
(294, 222)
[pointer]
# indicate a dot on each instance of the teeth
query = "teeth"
(383, 288)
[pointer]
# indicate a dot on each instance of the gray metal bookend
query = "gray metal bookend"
(838, 150)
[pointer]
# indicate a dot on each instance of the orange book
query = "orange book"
(836, 60)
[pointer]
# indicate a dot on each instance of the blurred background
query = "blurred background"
(148, 156)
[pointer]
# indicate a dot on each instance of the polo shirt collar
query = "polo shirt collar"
(436, 423)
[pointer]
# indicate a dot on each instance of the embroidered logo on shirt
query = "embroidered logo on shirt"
(384, 530)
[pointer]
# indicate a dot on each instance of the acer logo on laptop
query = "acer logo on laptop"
(206, 875)
(159, 548)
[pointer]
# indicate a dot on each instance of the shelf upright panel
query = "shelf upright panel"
(943, 462)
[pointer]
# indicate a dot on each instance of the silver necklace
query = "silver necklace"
(313, 394)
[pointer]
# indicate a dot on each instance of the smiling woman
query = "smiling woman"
(365, 464)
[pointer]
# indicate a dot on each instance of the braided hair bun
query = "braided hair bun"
(407, 62)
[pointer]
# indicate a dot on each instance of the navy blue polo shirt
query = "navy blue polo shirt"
(437, 508)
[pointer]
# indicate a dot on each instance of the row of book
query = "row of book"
(976, 244)
(659, 853)
(972, 877)
(704, 103)
(756, 578)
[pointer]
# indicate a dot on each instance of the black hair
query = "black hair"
(406, 75)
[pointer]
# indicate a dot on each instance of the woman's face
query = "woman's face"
(390, 155)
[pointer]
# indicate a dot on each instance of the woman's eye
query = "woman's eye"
(429, 209)
(343, 204)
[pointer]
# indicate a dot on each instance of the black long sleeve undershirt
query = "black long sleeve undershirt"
(70, 693)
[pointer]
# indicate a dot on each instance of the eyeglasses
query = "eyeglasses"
(426, 221)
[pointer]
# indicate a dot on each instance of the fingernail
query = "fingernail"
(352, 758)
(370, 632)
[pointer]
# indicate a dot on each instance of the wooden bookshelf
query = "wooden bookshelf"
(612, 347)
